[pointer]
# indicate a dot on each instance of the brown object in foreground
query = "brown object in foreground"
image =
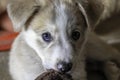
(53, 75)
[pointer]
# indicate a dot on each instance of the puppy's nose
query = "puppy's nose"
(64, 67)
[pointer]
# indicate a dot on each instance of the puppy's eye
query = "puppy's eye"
(75, 35)
(47, 37)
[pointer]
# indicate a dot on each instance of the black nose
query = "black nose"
(64, 67)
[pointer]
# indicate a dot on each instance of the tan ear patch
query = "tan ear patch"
(19, 12)
(93, 9)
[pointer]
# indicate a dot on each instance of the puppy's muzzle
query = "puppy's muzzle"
(64, 67)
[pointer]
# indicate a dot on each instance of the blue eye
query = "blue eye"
(47, 37)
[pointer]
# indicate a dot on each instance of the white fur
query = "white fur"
(24, 64)
(62, 49)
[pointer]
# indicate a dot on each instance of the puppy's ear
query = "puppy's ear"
(92, 10)
(20, 11)
(84, 14)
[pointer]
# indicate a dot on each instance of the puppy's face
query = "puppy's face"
(57, 32)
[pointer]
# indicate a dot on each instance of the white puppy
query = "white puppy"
(55, 34)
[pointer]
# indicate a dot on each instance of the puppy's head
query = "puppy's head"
(55, 29)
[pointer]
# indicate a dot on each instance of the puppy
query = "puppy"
(57, 34)
(51, 37)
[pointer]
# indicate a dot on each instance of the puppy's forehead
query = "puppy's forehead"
(61, 13)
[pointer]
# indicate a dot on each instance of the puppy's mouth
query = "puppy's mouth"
(68, 74)
(54, 75)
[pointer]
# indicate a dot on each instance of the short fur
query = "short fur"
(31, 56)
